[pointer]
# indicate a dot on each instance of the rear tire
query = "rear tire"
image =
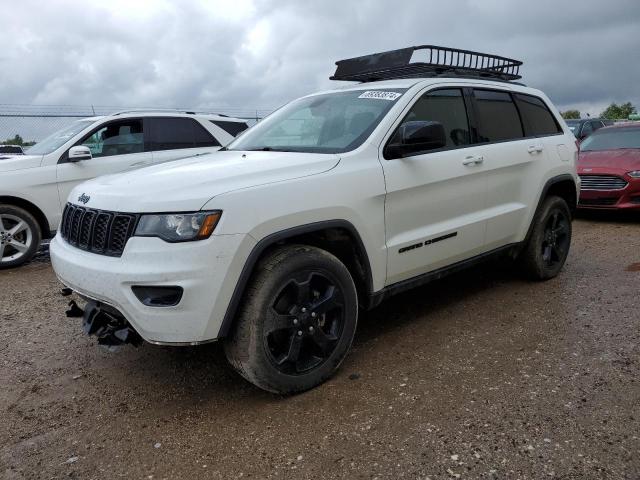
(20, 236)
(548, 245)
(297, 320)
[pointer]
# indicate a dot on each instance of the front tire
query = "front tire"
(297, 320)
(549, 242)
(20, 236)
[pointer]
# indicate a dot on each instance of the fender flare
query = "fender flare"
(273, 238)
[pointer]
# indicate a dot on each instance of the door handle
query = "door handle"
(473, 160)
(535, 148)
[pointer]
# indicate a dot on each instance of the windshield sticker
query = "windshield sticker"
(381, 95)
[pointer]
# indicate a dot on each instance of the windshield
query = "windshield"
(56, 140)
(327, 123)
(612, 140)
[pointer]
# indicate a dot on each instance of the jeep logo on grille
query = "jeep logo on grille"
(84, 198)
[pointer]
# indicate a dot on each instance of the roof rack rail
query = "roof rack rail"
(165, 110)
(439, 61)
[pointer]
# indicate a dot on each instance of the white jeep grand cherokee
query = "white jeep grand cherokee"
(330, 204)
(34, 187)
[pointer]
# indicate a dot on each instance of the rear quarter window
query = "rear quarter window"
(232, 128)
(537, 119)
(497, 116)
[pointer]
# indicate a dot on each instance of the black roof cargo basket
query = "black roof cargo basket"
(433, 62)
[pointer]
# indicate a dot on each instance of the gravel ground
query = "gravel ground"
(481, 375)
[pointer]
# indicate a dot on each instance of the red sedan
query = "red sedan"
(609, 167)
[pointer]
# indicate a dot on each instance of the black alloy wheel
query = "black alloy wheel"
(304, 323)
(547, 247)
(555, 243)
(296, 321)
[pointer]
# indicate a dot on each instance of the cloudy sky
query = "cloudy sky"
(259, 54)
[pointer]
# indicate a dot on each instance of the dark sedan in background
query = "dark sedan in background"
(584, 127)
(609, 168)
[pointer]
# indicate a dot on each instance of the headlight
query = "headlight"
(634, 174)
(178, 227)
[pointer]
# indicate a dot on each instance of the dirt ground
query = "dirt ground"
(481, 375)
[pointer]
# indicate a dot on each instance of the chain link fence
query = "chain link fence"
(32, 123)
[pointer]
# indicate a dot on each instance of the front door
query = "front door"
(115, 146)
(436, 200)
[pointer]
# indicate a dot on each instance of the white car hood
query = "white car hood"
(19, 162)
(188, 184)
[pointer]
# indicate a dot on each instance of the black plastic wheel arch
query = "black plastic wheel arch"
(271, 240)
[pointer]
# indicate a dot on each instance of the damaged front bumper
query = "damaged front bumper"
(104, 322)
(170, 293)
(108, 325)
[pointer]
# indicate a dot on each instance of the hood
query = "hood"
(19, 162)
(186, 185)
(609, 161)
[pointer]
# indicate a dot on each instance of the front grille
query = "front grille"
(97, 231)
(598, 202)
(602, 182)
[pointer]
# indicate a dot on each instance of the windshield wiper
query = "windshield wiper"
(270, 149)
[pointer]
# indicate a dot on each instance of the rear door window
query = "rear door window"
(497, 116)
(537, 119)
(175, 133)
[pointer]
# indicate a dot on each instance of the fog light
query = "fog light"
(158, 296)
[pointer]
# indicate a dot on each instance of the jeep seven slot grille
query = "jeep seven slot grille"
(97, 231)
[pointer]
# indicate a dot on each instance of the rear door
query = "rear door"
(115, 146)
(435, 202)
(171, 138)
(508, 158)
(513, 129)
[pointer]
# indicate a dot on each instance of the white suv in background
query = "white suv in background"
(34, 187)
(331, 204)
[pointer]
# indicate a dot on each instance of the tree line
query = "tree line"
(612, 112)
(17, 140)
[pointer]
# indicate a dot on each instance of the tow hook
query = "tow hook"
(111, 328)
(74, 310)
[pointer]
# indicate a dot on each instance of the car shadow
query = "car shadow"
(423, 303)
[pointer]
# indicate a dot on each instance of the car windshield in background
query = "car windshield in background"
(573, 124)
(327, 123)
(10, 149)
(59, 138)
(612, 140)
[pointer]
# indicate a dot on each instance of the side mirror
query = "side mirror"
(79, 152)
(416, 136)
